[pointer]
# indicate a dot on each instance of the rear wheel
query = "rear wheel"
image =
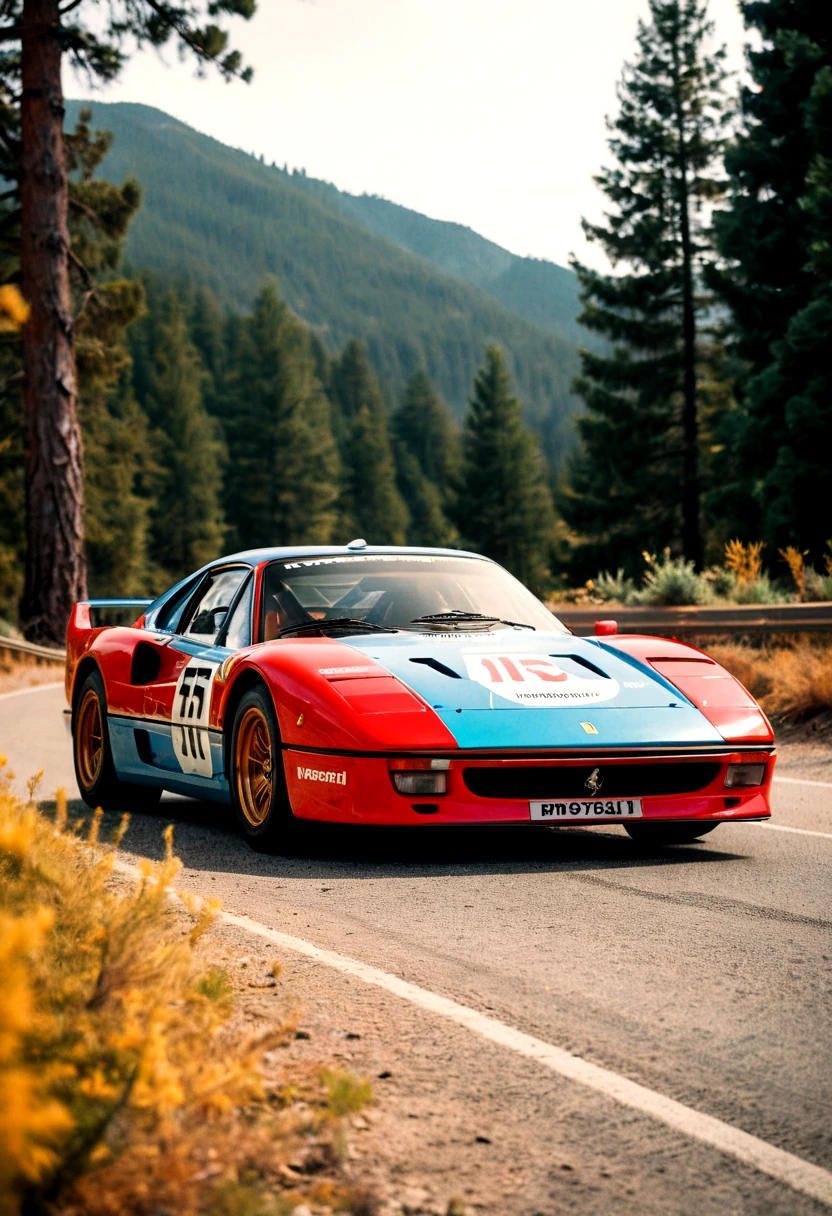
(258, 783)
(668, 833)
(94, 769)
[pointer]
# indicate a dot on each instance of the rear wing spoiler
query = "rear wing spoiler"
(85, 614)
(82, 624)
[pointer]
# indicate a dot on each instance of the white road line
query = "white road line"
(785, 1167)
(20, 692)
(824, 785)
(781, 827)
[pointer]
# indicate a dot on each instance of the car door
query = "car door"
(214, 621)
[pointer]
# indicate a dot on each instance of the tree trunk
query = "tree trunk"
(691, 530)
(55, 566)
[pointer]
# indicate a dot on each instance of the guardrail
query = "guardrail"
(756, 619)
(45, 654)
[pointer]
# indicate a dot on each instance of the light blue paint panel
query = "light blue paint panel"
(646, 709)
(488, 728)
(165, 770)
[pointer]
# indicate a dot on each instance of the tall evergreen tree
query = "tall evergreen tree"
(187, 521)
(423, 424)
(39, 33)
(282, 478)
(775, 240)
(426, 449)
(636, 482)
(117, 451)
(371, 502)
(504, 507)
(104, 306)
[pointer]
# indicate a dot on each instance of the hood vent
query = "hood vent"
(440, 667)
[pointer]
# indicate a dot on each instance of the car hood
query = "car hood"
(513, 688)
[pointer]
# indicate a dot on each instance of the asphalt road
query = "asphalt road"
(700, 972)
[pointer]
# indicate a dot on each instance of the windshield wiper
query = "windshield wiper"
(340, 622)
(459, 615)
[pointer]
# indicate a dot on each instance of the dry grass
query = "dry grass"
(17, 673)
(126, 1086)
(790, 681)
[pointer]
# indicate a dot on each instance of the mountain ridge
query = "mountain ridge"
(220, 218)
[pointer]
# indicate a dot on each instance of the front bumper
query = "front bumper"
(351, 788)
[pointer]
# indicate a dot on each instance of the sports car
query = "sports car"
(378, 685)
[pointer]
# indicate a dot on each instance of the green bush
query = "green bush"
(614, 587)
(672, 582)
(817, 586)
(761, 591)
(723, 582)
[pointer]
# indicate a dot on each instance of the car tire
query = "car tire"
(256, 775)
(93, 756)
(668, 833)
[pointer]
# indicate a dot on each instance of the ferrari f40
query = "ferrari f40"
(374, 685)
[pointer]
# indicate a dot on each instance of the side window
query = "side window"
(239, 627)
(207, 617)
(168, 615)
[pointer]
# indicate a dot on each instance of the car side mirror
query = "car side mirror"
(219, 617)
(605, 629)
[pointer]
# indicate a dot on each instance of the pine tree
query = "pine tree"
(282, 476)
(426, 450)
(104, 307)
(504, 506)
(776, 277)
(120, 476)
(636, 482)
(32, 158)
(117, 455)
(423, 424)
(210, 332)
(371, 502)
(187, 521)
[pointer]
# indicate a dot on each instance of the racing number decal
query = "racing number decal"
(536, 680)
(191, 708)
(503, 667)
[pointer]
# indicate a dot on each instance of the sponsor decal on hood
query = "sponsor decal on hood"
(540, 680)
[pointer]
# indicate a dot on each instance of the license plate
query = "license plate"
(595, 808)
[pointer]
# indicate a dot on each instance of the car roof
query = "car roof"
(256, 556)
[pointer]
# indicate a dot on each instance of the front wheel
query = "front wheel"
(94, 768)
(258, 783)
(668, 833)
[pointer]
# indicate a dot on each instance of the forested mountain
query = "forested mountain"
(540, 291)
(215, 216)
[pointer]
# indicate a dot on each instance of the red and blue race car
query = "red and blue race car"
(372, 685)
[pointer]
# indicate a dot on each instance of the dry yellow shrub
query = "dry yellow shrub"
(788, 681)
(744, 561)
(120, 1090)
(797, 568)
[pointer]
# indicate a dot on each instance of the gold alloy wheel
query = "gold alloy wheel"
(253, 766)
(89, 739)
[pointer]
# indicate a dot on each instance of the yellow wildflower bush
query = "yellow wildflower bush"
(121, 1089)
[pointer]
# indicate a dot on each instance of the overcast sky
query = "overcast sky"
(487, 112)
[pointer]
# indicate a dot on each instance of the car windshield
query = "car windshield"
(421, 593)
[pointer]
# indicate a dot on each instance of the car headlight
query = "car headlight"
(419, 776)
(745, 775)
